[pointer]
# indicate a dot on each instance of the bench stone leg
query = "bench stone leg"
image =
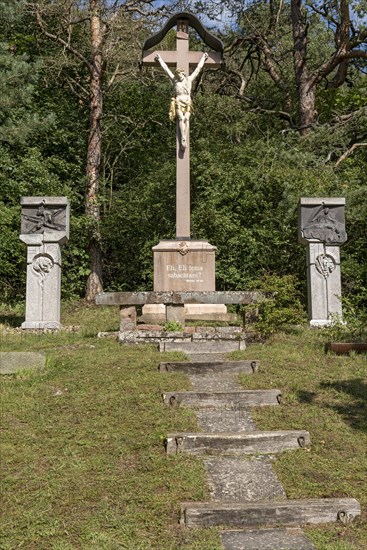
(176, 312)
(127, 318)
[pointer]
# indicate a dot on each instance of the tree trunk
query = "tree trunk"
(306, 106)
(306, 89)
(92, 210)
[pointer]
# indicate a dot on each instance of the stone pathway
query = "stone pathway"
(246, 496)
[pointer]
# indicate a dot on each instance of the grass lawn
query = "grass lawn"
(83, 463)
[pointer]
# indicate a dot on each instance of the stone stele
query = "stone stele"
(44, 228)
(322, 229)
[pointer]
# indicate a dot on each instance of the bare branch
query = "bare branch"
(349, 152)
(61, 41)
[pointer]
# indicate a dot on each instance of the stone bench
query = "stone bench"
(174, 302)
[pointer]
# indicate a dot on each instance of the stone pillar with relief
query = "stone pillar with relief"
(44, 228)
(322, 230)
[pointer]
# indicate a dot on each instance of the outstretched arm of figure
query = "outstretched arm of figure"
(164, 67)
(199, 66)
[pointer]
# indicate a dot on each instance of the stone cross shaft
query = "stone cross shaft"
(182, 58)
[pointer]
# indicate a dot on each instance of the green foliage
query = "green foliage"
(172, 326)
(282, 305)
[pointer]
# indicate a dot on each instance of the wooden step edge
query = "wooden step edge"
(241, 399)
(249, 366)
(256, 442)
(269, 514)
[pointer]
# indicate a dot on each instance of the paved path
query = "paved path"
(241, 479)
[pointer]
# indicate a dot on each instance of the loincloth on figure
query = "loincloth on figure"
(178, 104)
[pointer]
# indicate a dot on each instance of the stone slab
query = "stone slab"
(266, 539)
(241, 480)
(156, 313)
(177, 297)
(207, 382)
(204, 346)
(184, 265)
(271, 514)
(233, 399)
(207, 357)
(249, 366)
(48, 217)
(236, 443)
(321, 219)
(12, 362)
(222, 420)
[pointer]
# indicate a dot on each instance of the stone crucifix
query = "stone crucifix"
(181, 103)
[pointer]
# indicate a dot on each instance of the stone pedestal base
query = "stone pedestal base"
(41, 325)
(324, 283)
(185, 265)
(156, 314)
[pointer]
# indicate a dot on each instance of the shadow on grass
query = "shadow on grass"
(355, 412)
(306, 396)
(12, 320)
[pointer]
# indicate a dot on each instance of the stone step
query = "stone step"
(207, 383)
(210, 367)
(216, 421)
(236, 443)
(235, 400)
(291, 538)
(268, 513)
(245, 479)
(203, 346)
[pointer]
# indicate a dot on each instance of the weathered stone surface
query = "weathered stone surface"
(204, 346)
(209, 312)
(153, 337)
(16, 361)
(235, 399)
(280, 513)
(175, 313)
(242, 480)
(127, 318)
(224, 420)
(236, 443)
(45, 226)
(177, 297)
(186, 265)
(207, 382)
(244, 367)
(324, 283)
(217, 336)
(205, 357)
(266, 539)
(46, 215)
(322, 229)
(151, 328)
(322, 219)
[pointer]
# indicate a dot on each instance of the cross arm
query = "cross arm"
(170, 58)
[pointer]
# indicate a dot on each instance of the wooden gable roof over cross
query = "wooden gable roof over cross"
(182, 57)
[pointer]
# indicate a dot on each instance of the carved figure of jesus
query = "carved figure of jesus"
(181, 103)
